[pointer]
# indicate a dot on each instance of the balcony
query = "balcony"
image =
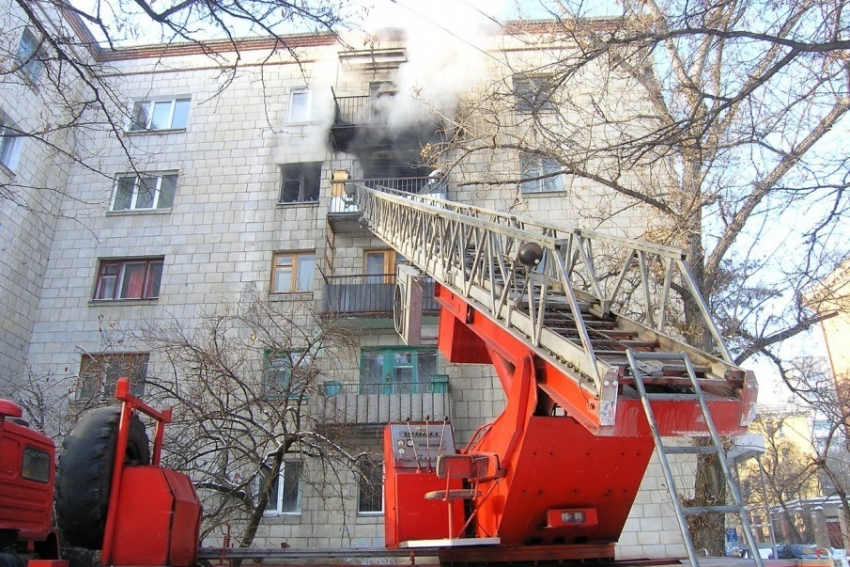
(368, 296)
(362, 404)
(368, 117)
(343, 214)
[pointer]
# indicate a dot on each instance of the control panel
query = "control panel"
(417, 445)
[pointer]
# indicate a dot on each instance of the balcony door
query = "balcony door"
(380, 265)
(397, 370)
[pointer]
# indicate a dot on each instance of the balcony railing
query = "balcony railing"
(382, 403)
(351, 110)
(432, 186)
(368, 295)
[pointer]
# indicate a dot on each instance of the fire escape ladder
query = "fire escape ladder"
(639, 372)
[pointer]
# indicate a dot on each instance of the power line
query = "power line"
(451, 33)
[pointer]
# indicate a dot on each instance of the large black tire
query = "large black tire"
(85, 473)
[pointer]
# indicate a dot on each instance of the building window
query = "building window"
(542, 175)
(99, 374)
(299, 106)
(533, 92)
(167, 114)
(398, 370)
(31, 56)
(287, 374)
(136, 278)
(285, 496)
(10, 142)
(147, 192)
(293, 273)
(300, 182)
(370, 485)
(381, 265)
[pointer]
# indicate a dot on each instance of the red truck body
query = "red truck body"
(26, 477)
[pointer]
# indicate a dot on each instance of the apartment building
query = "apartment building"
(228, 182)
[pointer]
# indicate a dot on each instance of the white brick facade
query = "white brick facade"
(218, 241)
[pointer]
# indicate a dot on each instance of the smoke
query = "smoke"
(445, 41)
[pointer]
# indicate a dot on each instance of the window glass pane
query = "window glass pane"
(106, 286)
(555, 183)
(298, 106)
(305, 272)
(153, 280)
(145, 192)
(289, 498)
(283, 280)
(124, 193)
(372, 372)
(370, 484)
(9, 148)
(181, 113)
(35, 465)
(161, 115)
(167, 187)
(139, 118)
(290, 191)
(133, 280)
(312, 181)
(427, 366)
(375, 266)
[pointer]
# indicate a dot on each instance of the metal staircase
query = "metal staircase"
(640, 372)
(585, 300)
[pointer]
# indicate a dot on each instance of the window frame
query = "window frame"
(366, 483)
(419, 384)
(147, 285)
(290, 110)
(121, 364)
(280, 491)
(535, 168)
(390, 258)
(137, 183)
(303, 177)
(531, 93)
(294, 269)
(134, 126)
(33, 63)
(11, 144)
(295, 359)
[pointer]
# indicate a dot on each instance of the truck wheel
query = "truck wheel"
(85, 473)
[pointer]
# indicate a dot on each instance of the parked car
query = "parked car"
(807, 552)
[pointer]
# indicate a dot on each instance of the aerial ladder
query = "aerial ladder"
(577, 325)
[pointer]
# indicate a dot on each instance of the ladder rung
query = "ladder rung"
(672, 397)
(691, 450)
(697, 510)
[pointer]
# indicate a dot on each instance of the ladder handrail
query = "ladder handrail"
(568, 257)
(716, 448)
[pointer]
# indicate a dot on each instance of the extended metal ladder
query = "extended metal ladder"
(639, 373)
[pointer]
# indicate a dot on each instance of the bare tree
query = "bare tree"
(56, 61)
(716, 121)
(241, 384)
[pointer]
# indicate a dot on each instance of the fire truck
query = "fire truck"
(576, 324)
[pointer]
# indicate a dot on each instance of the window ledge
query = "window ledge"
(159, 132)
(536, 194)
(296, 204)
(296, 296)
(151, 301)
(368, 518)
(280, 518)
(131, 212)
(5, 169)
(303, 123)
